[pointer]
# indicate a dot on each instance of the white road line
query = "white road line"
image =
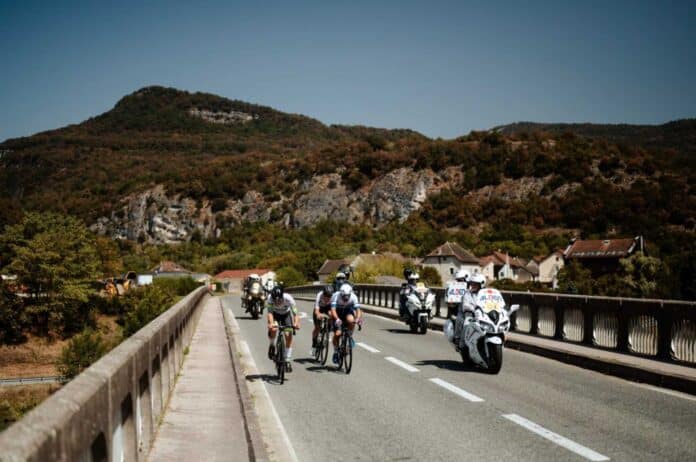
(457, 391)
(368, 347)
(284, 435)
(402, 364)
(587, 453)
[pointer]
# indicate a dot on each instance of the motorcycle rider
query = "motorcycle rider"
(253, 277)
(344, 309)
(476, 282)
(412, 279)
(340, 279)
(454, 292)
(322, 305)
(282, 312)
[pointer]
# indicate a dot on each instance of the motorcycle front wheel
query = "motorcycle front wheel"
(495, 358)
(423, 325)
(255, 311)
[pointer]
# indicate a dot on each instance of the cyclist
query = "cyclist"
(282, 312)
(321, 306)
(344, 308)
(341, 278)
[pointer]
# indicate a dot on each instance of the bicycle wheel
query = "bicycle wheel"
(280, 357)
(348, 355)
(324, 345)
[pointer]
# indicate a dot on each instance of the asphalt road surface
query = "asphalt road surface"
(409, 397)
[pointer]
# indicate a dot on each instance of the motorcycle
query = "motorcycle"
(254, 299)
(483, 331)
(419, 308)
(455, 292)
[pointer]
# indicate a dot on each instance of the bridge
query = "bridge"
(583, 378)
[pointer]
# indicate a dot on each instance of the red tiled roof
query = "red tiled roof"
(240, 274)
(483, 261)
(608, 248)
(514, 262)
(452, 249)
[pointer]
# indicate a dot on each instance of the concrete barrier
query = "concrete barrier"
(110, 412)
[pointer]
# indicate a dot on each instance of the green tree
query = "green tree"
(641, 275)
(290, 276)
(143, 305)
(574, 278)
(431, 277)
(54, 256)
(12, 317)
(83, 349)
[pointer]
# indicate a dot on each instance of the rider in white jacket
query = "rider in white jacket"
(476, 282)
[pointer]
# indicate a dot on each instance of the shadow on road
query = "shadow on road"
(399, 331)
(447, 364)
(246, 318)
(268, 378)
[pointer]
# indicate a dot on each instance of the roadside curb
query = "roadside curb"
(257, 448)
(588, 358)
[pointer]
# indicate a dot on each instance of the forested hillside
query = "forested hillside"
(525, 188)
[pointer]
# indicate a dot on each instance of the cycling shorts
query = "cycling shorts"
(283, 320)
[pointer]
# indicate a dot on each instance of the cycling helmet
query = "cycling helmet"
(254, 277)
(277, 293)
(462, 275)
(340, 275)
(413, 278)
(328, 291)
(346, 291)
(479, 279)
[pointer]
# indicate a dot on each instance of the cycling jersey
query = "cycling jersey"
(344, 308)
(284, 306)
(322, 303)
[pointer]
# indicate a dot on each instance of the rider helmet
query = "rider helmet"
(413, 278)
(254, 277)
(328, 291)
(277, 293)
(462, 275)
(346, 291)
(479, 279)
(340, 276)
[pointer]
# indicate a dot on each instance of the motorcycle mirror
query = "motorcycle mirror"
(514, 308)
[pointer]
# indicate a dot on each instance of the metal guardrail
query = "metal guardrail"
(110, 411)
(659, 329)
(13, 381)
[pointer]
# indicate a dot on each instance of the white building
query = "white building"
(449, 258)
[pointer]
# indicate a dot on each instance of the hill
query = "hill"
(166, 165)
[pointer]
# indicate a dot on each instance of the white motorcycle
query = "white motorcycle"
(483, 332)
(419, 305)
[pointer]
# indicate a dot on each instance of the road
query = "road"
(423, 404)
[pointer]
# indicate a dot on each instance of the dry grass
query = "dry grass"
(17, 401)
(38, 356)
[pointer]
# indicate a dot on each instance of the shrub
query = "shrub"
(177, 286)
(82, 350)
(144, 305)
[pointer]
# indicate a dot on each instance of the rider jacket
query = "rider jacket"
(284, 306)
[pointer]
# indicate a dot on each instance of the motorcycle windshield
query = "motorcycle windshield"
(490, 300)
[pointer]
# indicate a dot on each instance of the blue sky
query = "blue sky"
(440, 67)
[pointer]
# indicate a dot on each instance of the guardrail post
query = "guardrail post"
(622, 335)
(534, 315)
(559, 313)
(438, 303)
(665, 320)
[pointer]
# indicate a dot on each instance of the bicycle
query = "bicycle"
(345, 348)
(280, 347)
(321, 352)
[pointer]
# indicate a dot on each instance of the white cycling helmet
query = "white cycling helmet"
(413, 277)
(254, 277)
(346, 291)
(478, 278)
(462, 275)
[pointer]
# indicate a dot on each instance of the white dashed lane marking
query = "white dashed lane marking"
(457, 391)
(368, 347)
(401, 364)
(578, 449)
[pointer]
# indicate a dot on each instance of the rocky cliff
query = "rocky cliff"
(155, 216)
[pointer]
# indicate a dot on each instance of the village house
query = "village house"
(331, 267)
(602, 256)
(232, 280)
(449, 258)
